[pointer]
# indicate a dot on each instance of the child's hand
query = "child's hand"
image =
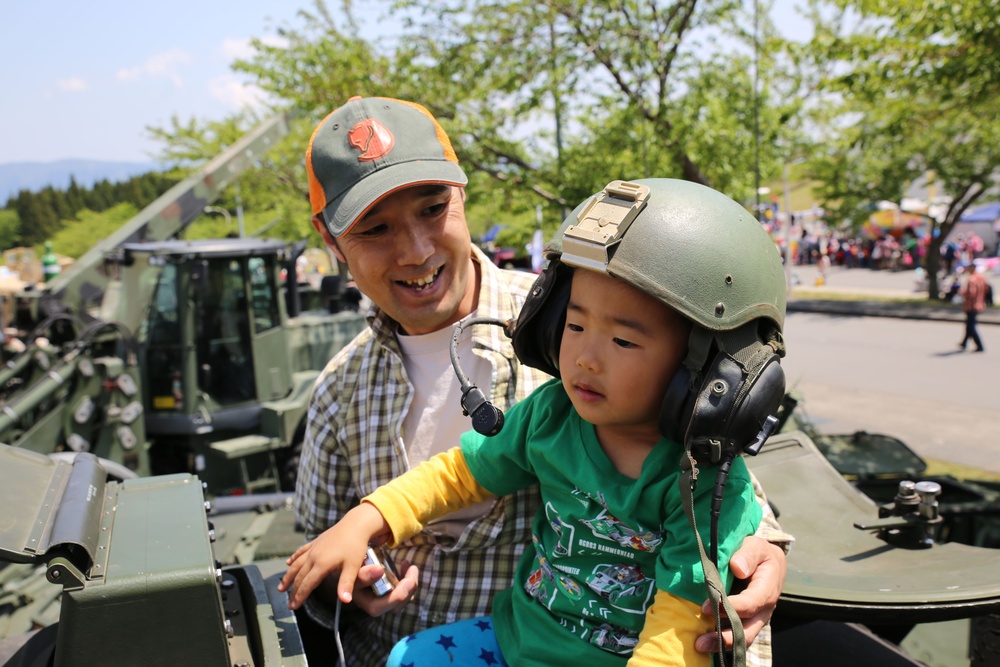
(339, 548)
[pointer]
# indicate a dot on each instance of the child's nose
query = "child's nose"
(588, 359)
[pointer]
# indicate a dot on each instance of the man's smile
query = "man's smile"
(420, 284)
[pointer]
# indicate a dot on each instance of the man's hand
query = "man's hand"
(372, 604)
(763, 565)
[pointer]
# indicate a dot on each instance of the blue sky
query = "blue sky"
(84, 79)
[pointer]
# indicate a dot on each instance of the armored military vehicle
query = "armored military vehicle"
(135, 564)
(164, 355)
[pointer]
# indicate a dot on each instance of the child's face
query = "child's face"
(619, 351)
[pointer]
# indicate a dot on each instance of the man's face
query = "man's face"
(411, 255)
(620, 349)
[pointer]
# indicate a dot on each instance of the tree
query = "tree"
(77, 236)
(913, 91)
(10, 229)
(545, 102)
(645, 88)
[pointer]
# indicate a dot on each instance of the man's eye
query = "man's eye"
(374, 231)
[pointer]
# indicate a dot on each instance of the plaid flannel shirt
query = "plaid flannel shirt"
(354, 444)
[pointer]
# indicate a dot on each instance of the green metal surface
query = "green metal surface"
(840, 572)
(160, 578)
(141, 584)
(34, 482)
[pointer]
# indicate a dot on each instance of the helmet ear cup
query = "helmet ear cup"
(537, 333)
(678, 402)
(725, 407)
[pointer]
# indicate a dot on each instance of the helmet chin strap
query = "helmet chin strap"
(735, 385)
(713, 580)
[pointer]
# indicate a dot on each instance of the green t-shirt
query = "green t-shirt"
(602, 542)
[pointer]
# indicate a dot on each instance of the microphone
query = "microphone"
(487, 419)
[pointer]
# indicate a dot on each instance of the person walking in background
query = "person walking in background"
(973, 302)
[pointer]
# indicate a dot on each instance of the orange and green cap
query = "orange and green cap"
(370, 148)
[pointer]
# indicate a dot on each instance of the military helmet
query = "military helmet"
(700, 253)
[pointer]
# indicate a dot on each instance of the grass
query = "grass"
(938, 467)
(808, 293)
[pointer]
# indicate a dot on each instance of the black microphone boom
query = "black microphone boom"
(487, 419)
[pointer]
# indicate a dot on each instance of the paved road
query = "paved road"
(905, 378)
(902, 377)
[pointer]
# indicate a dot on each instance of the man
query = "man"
(973, 302)
(388, 199)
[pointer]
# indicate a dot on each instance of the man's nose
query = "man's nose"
(415, 244)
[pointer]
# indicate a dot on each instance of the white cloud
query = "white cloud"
(72, 85)
(129, 74)
(233, 49)
(234, 93)
(161, 65)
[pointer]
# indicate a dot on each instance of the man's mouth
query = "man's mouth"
(420, 284)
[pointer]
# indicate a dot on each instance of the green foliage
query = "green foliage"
(555, 99)
(544, 103)
(911, 87)
(77, 236)
(41, 215)
(10, 229)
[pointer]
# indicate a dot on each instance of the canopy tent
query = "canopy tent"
(984, 222)
(988, 213)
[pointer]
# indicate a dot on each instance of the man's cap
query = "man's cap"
(370, 148)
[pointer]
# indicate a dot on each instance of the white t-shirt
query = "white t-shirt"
(435, 421)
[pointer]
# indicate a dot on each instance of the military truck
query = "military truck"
(163, 355)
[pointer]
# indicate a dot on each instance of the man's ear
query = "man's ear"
(320, 226)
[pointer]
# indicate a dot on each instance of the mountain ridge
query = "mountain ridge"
(35, 176)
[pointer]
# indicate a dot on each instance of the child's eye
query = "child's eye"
(574, 327)
(621, 342)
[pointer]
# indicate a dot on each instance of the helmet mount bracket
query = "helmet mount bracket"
(602, 223)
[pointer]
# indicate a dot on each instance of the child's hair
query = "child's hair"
(703, 255)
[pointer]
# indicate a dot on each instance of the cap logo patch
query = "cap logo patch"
(372, 139)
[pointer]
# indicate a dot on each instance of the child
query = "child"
(655, 292)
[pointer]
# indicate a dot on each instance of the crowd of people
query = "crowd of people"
(886, 252)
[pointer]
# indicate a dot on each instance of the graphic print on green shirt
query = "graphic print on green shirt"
(615, 582)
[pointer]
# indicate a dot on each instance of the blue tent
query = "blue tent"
(987, 213)
(491, 234)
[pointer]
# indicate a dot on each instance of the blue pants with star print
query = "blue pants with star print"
(470, 642)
